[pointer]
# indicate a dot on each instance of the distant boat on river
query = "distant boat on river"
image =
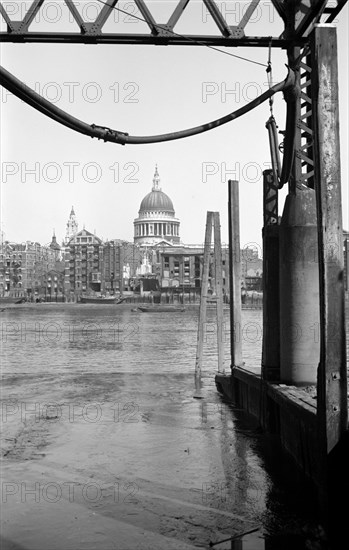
(160, 308)
(100, 300)
(12, 300)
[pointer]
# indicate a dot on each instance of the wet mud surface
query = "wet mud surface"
(111, 445)
(151, 453)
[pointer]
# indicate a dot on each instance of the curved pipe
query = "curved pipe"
(291, 96)
(282, 175)
(32, 98)
(28, 95)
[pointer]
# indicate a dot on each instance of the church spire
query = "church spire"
(156, 180)
(54, 244)
(72, 226)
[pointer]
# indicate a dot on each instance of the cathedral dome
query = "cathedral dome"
(156, 222)
(156, 200)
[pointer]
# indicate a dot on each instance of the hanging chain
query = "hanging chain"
(270, 77)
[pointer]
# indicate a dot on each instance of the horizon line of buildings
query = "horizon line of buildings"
(87, 265)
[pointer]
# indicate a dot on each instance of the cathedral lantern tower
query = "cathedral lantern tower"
(156, 222)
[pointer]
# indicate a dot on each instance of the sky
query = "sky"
(143, 90)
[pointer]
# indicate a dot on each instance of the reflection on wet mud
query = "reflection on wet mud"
(121, 407)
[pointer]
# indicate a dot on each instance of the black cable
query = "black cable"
(18, 88)
(292, 96)
(32, 98)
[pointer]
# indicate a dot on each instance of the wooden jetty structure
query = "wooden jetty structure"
(303, 255)
(303, 292)
(211, 221)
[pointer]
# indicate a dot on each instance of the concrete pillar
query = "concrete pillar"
(299, 290)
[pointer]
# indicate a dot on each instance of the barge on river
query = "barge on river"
(100, 300)
(160, 308)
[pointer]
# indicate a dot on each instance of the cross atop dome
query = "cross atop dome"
(156, 180)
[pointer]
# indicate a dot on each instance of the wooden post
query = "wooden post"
(121, 268)
(332, 411)
(203, 300)
(346, 263)
(271, 304)
(219, 290)
(332, 374)
(234, 274)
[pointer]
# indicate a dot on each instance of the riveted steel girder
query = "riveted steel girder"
(299, 18)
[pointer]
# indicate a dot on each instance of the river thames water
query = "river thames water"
(102, 400)
(117, 339)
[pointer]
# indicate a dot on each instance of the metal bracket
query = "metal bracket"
(237, 32)
(16, 27)
(164, 31)
(91, 29)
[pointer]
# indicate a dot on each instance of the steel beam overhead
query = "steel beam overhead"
(145, 39)
(299, 19)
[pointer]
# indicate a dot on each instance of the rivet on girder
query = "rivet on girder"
(237, 32)
(164, 30)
